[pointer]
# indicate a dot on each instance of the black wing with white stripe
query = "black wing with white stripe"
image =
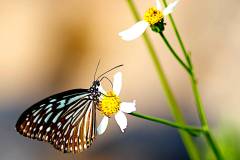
(66, 120)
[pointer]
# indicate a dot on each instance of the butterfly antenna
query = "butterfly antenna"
(106, 79)
(110, 70)
(96, 70)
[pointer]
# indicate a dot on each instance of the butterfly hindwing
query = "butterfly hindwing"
(80, 133)
(66, 120)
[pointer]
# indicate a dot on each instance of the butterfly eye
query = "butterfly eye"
(97, 83)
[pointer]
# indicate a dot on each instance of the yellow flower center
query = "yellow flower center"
(110, 104)
(153, 16)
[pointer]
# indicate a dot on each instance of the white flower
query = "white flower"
(110, 105)
(151, 17)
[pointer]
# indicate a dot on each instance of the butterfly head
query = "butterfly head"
(95, 84)
(94, 89)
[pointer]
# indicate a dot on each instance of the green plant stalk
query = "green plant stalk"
(200, 108)
(201, 112)
(187, 140)
(178, 36)
(168, 123)
(212, 143)
(175, 109)
(199, 104)
(175, 54)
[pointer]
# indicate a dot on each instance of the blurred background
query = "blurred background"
(51, 46)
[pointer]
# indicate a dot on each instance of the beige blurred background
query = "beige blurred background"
(51, 46)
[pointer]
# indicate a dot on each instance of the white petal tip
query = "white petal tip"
(134, 31)
(128, 107)
(120, 34)
(126, 38)
(134, 102)
(102, 126)
(121, 120)
(158, 5)
(117, 83)
(170, 8)
(176, 2)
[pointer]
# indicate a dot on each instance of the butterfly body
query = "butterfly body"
(66, 120)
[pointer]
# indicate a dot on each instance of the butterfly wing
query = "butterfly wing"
(66, 120)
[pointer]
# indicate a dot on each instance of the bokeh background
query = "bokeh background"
(51, 46)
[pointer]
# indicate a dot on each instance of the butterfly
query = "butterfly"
(66, 120)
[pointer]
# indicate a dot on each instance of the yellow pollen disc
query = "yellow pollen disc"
(153, 16)
(110, 104)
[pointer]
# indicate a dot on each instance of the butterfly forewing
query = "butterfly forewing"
(66, 120)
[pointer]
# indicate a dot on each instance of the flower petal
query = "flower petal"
(102, 126)
(134, 31)
(170, 8)
(128, 107)
(100, 89)
(117, 83)
(121, 120)
(158, 5)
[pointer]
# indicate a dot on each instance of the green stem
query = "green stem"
(199, 104)
(178, 36)
(175, 54)
(214, 145)
(190, 129)
(187, 140)
(200, 108)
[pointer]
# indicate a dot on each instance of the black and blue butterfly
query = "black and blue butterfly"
(66, 120)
